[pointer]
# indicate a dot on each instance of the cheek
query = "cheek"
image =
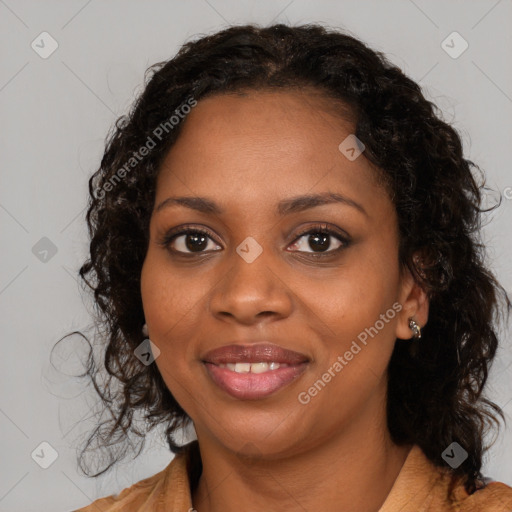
(166, 302)
(361, 328)
(359, 342)
(168, 298)
(357, 294)
(356, 305)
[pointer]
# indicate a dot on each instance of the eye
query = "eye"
(320, 240)
(189, 241)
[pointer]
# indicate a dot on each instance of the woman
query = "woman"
(289, 222)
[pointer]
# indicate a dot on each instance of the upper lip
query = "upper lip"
(262, 352)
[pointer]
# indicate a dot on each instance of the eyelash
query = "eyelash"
(312, 230)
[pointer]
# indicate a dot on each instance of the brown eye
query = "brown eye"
(319, 241)
(192, 241)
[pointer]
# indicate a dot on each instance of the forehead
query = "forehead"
(263, 146)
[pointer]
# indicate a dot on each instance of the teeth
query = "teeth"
(259, 367)
(253, 367)
(242, 367)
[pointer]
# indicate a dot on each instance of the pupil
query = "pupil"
(319, 241)
(196, 242)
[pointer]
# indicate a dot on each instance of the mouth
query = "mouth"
(253, 372)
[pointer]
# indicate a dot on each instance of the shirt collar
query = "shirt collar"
(419, 486)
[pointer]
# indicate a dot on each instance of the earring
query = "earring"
(415, 328)
(145, 331)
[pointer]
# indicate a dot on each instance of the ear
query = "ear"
(414, 303)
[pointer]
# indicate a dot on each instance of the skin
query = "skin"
(247, 153)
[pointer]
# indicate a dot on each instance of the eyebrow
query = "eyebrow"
(301, 203)
(285, 207)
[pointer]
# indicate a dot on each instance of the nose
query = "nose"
(251, 293)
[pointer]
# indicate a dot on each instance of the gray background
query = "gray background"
(55, 115)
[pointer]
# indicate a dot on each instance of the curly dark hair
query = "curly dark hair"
(435, 387)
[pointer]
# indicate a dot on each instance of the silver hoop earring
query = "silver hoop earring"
(415, 328)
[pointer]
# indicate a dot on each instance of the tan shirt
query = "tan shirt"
(420, 487)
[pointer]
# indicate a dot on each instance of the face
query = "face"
(288, 259)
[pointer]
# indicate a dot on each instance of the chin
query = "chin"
(263, 439)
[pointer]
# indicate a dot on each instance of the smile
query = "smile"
(253, 367)
(253, 372)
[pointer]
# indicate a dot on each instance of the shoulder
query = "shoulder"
(423, 485)
(131, 498)
(166, 486)
(494, 497)
(490, 496)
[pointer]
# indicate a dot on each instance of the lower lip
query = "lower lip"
(253, 386)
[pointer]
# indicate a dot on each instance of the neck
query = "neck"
(350, 472)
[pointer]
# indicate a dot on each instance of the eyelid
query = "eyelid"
(173, 233)
(343, 237)
(321, 227)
